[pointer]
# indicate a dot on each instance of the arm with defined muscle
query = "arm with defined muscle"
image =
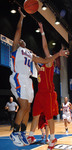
(44, 41)
(50, 59)
(62, 52)
(18, 31)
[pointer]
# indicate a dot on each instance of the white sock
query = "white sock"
(31, 133)
(52, 136)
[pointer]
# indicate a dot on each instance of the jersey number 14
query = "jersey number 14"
(26, 61)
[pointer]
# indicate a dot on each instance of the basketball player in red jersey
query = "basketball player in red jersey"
(46, 98)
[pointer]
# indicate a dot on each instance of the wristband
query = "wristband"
(42, 33)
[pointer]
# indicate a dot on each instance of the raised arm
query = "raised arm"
(50, 59)
(44, 41)
(18, 31)
(62, 52)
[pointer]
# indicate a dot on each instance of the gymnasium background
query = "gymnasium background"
(33, 40)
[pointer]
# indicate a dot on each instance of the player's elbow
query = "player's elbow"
(18, 30)
(35, 59)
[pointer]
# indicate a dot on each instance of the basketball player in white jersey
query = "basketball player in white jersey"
(21, 84)
(66, 106)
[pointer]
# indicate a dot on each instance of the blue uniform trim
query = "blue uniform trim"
(18, 87)
(31, 67)
(13, 56)
(14, 53)
(18, 91)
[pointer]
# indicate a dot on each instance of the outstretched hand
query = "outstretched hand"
(21, 13)
(64, 53)
(40, 26)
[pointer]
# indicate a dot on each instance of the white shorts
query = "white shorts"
(67, 116)
(21, 86)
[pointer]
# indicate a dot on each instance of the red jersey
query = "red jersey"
(45, 78)
(46, 98)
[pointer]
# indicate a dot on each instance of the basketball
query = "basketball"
(31, 6)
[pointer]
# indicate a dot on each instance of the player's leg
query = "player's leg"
(46, 131)
(43, 133)
(29, 93)
(52, 129)
(17, 137)
(69, 118)
(36, 113)
(43, 126)
(53, 110)
(25, 119)
(25, 94)
(34, 124)
(23, 109)
(25, 98)
(68, 122)
(53, 140)
(65, 123)
(51, 125)
(24, 122)
(30, 138)
(66, 127)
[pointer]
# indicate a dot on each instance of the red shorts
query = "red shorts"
(42, 121)
(47, 103)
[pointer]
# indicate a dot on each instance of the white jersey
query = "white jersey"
(66, 112)
(66, 108)
(21, 84)
(21, 61)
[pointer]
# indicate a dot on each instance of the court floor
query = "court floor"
(64, 141)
